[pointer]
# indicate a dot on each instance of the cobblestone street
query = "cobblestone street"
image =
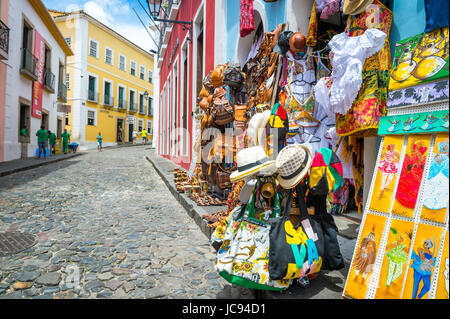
(106, 227)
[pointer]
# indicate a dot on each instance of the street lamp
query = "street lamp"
(146, 95)
(155, 7)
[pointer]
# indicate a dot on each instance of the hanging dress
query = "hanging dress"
(348, 57)
(364, 115)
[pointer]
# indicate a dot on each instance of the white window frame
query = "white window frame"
(125, 62)
(142, 126)
(135, 67)
(111, 91)
(141, 67)
(112, 55)
(124, 95)
(135, 98)
(184, 54)
(150, 106)
(88, 109)
(149, 126)
(98, 48)
(150, 76)
(139, 102)
(96, 92)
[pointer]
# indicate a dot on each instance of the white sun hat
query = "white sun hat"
(249, 162)
(293, 162)
(253, 125)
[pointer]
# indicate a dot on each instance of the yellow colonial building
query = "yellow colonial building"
(109, 82)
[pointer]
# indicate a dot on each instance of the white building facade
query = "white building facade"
(31, 25)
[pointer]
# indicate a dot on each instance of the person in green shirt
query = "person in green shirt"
(42, 140)
(52, 142)
(23, 131)
(65, 140)
(99, 141)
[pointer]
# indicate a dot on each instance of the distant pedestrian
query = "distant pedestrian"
(23, 132)
(42, 140)
(99, 141)
(134, 137)
(144, 136)
(52, 142)
(65, 140)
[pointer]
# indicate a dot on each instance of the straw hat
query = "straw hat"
(354, 7)
(293, 162)
(297, 42)
(249, 162)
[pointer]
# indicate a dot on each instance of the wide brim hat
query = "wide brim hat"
(354, 7)
(261, 128)
(293, 163)
(247, 189)
(249, 162)
(297, 42)
(253, 126)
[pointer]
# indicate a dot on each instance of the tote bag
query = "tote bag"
(242, 259)
(293, 252)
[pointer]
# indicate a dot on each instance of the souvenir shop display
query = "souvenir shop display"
(402, 250)
(281, 150)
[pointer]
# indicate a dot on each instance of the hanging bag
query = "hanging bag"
(232, 75)
(293, 252)
(242, 259)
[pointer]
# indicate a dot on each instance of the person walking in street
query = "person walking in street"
(144, 136)
(42, 141)
(65, 140)
(99, 141)
(134, 137)
(52, 142)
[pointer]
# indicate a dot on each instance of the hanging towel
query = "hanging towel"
(246, 18)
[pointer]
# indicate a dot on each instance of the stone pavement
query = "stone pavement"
(106, 227)
(18, 165)
(328, 285)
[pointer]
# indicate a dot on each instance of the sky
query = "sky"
(116, 14)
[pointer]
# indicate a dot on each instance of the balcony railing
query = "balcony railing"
(4, 41)
(132, 106)
(62, 91)
(49, 80)
(122, 104)
(29, 65)
(142, 109)
(108, 100)
(150, 112)
(92, 96)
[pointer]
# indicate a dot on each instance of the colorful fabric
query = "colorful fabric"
(311, 36)
(436, 12)
(332, 7)
(246, 18)
(364, 115)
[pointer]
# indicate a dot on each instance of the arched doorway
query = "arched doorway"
(245, 44)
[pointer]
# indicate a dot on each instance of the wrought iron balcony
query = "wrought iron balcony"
(121, 104)
(132, 106)
(49, 81)
(92, 96)
(4, 41)
(29, 64)
(108, 100)
(62, 91)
